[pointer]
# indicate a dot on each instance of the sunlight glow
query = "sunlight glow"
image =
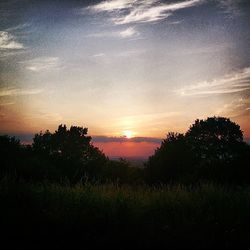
(128, 134)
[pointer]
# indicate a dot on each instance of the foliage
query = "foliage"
(69, 144)
(64, 154)
(176, 217)
(170, 160)
(215, 138)
(122, 172)
(62, 187)
(70, 150)
(10, 152)
(212, 149)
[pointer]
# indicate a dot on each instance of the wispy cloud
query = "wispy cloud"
(232, 83)
(6, 104)
(45, 115)
(42, 64)
(128, 53)
(17, 92)
(138, 11)
(8, 42)
(125, 53)
(238, 107)
(99, 55)
(231, 7)
(19, 27)
(113, 5)
(127, 33)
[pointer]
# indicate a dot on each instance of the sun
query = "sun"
(128, 134)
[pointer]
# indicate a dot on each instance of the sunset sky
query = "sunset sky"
(128, 68)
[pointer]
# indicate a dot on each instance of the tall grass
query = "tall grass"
(108, 214)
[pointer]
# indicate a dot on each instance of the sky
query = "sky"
(123, 68)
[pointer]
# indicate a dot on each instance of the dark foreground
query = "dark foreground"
(167, 217)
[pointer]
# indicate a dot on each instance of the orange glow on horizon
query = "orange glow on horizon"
(127, 149)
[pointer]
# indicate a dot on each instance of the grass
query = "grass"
(179, 217)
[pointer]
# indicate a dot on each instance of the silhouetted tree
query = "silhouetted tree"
(170, 160)
(70, 143)
(216, 138)
(10, 152)
(211, 149)
(42, 143)
(18, 161)
(70, 149)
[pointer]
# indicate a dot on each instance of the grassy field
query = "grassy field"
(122, 217)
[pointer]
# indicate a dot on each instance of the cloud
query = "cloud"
(238, 107)
(125, 139)
(138, 11)
(129, 32)
(233, 91)
(100, 139)
(113, 5)
(232, 8)
(232, 83)
(17, 92)
(129, 53)
(99, 55)
(19, 27)
(45, 115)
(42, 64)
(6, 104)
(8, 42)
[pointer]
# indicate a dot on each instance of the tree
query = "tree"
(170, 160)
(211, 149)
(66, 143)
(10, 154)
(216, 138)
(70, 149)
(42, 143)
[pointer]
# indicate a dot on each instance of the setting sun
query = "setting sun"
(128, 134)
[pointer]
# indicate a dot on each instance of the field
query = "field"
(206, 216)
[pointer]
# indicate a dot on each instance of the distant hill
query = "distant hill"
(135, 161)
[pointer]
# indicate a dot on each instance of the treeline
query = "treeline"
(211, 150)
(67, 155)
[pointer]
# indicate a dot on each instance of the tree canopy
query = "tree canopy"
(70, 143)
(212, 147)
(215, 138)
(71, 149)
